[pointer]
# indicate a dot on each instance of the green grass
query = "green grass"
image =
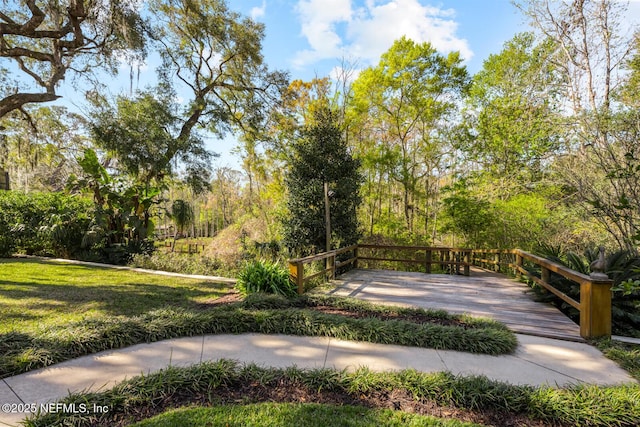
(208, 384)
(626, 355)
(36, 295)
(293, 414)
(54, 312)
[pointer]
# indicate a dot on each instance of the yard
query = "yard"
(52, 312)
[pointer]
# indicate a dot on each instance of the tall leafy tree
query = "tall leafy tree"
(143, 134)
(45, 40)
(592, 47)
(216, 56)
(513, 112)
(42, 158)
(320, 156)
(399, 111)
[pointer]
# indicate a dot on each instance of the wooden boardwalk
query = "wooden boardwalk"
(483, 293)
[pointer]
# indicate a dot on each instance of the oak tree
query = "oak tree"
(41, 42)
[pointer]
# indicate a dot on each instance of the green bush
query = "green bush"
(623, 267)
(204, 384)
(42, 223)
(267, 277)
(180, 263)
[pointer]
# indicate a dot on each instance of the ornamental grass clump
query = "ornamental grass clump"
(266, 277)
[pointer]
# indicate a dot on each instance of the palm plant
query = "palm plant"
(623, 267)
(183, 216)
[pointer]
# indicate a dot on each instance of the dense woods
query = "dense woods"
(537, 150)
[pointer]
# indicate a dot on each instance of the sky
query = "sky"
(311, 38)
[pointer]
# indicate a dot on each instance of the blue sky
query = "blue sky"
(310, 37)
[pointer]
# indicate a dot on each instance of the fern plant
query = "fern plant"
(265, 276)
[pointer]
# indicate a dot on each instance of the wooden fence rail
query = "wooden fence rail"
(595, 293)
(452, 260)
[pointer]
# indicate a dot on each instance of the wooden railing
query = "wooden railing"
(595, 293)
(451, 260)
(297, 266)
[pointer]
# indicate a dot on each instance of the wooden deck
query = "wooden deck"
(483, 294)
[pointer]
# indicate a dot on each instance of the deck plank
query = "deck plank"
(483, 293)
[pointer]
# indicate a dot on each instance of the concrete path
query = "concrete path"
(537, 361)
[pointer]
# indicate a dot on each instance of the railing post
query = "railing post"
(496, 265)
(595, 308)
(332, 266)
(355, 255)
(545, 275)
(296, 273)
(467, 261)
(519, 264)
(427, 262)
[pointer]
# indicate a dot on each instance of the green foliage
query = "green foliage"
(143, 133)
(623, 267)
(626, 355)
(121, 223)
(467, 215)
(321, 156)
(513, 108)
(182, 214)
(265, 276)
(49, 39)
(216, 54)
(521, 221)
(581, 405)
(298, 414)
(397, 121)
(42, 223)
(182, 263)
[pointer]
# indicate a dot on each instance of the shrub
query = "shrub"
(179, 263)
(265, 276)
(42, 223)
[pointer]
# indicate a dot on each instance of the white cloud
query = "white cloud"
(318, 19)
(369, 30)
(258, 11)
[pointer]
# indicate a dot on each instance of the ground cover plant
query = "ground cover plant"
(294, 414)
(470, 399)
(626, 355)
(53, 312)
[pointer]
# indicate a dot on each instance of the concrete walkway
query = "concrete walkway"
(537, 361)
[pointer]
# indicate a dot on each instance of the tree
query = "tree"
(398, 113)
(215, 54)
(46, 39)
(513, 112)
(41, 159)
(591, 47)
(320, 155)
(182, 214)
(121, 222)
(144, 134)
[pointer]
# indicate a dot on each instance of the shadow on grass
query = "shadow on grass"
(126, 299)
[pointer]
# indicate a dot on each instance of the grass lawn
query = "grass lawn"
(36, 294)
(53, 312)
(294, 414)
